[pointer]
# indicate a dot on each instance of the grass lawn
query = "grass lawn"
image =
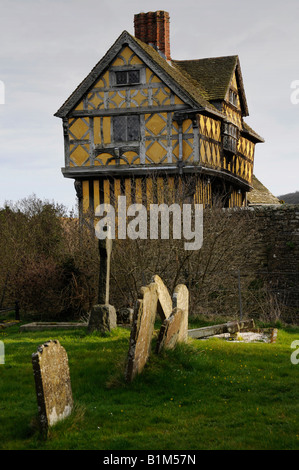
(209, 394)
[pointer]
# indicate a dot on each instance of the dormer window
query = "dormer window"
(233, 97)
(127, 77)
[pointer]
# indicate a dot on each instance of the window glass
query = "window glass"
(126, 128)
(133, 127)
(133, 76)
(126, 77)
(121, 78)
(119, 128)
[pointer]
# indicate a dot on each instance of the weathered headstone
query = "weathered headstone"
(125, 315)
(170, 331)
(164, 307)
(102, 318)
(103, 315)
(142, 331)
(52, 383)
(181, 301)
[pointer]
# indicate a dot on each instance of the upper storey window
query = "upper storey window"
(126, 128)
(233, 97)
(230, 137)
(127, 77)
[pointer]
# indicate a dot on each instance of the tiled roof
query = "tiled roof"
(213, 75)
(260, 194)
(193, 88)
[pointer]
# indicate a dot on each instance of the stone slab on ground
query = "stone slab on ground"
(6, 324)
(229, 327)
(256, 335)
(40, 326)
(142, 331)
(52, 384)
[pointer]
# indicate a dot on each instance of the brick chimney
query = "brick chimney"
(153, 29)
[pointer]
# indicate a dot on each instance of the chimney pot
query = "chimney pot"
(153, 29)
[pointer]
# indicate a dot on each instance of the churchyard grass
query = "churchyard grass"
(207, 394)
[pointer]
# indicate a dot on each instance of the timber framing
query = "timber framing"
(188, 116)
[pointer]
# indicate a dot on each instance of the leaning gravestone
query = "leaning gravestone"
(103, 315)
(52, 383)
(164, 306)
(181, 301)
(170, 331)
(142, 331)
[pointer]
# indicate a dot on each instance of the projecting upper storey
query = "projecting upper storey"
(138, 111)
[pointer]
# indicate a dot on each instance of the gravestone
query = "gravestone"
(170, 330)
(52, 384)
(125, 315)
(142, 330)
(181, 301)
(164, 307)
(103, 315)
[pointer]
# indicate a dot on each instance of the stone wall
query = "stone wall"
(276, 250)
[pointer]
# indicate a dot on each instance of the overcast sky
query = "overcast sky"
(47, 47)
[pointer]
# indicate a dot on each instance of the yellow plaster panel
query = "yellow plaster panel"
(124, 57)
(96, 193)
(135, 60)
(149, 192)
(80, 106)
(106, 187)
(132, 157)
(156, 152)
(187, 148)
(80, 155)
(186, 125)
(79, 128)
(161, 96)
(128, 190)
(95, 99)
(139, 98)
(103, 82)
(175, 128)
(234, 82)
(118, 99)
(138, 191)
(177, 100)
(85, 188)
(156, 124)
(116, 189)
(107, 129)
(97, 131)
(151, 77)
(102, 159)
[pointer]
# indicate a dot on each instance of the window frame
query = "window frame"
(127, 138)
(230, 137)
(127, 69)
(128, 81)
(233, 97)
